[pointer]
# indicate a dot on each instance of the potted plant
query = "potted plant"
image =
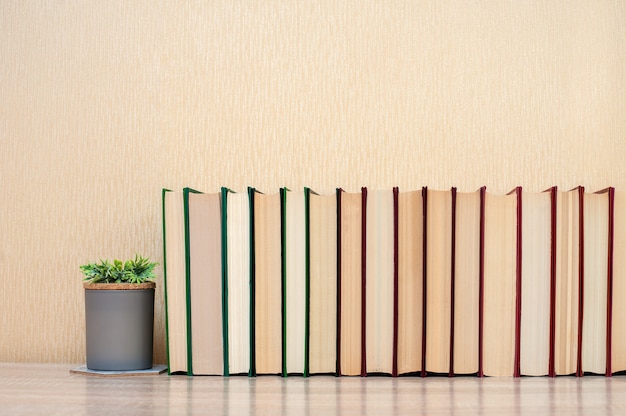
(119, 314)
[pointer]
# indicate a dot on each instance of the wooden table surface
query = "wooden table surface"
(48, 389)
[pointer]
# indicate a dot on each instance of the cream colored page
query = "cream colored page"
(379, 281)
(175, 275)
(205, 262)
(438, 277)
(595, 295)
(410, 281)
(238, 244)
(499, 283)
(350, 319)
(323, 284)
(295, 281)
(536, 255)
(567, 285)
(267, 283)
(467, 282)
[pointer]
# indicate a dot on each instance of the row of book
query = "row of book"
(395, 282)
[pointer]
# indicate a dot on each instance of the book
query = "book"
(205, 355)
(500, 307)
(596, 303)
(350, 342)
(236, 274)
(175, 281)
(379, 282)
(569, 250)
(438, 254)
(321, 265)
(536, 282)
(410, 298)
(294, 281)
(267, 295)
(467, 226)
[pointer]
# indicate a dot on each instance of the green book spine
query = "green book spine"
(252, 372)
(224, 234)
(283, 268)
(167, 337)
(307, 282)
(338, 193)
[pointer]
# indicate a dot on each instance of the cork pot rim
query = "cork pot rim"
(119, 286)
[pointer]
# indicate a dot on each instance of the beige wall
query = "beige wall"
(102, 104)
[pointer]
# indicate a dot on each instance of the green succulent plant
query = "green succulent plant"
(139, 270)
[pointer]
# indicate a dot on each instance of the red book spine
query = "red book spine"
(609, 294)
(553, 213)
(452, 272)
(581, 278)
(481, 279)
(338, 365)
(363, 280)
(424, 285)
(394, 371)
(518, 283)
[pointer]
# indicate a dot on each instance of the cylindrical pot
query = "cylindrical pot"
(119, 321)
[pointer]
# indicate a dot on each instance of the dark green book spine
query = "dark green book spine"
(307, 277)
(338, 371)
(224, 234)
(252, 372)
(283, 273)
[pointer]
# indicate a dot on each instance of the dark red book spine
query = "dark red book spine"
(553, 213)
(581, 279)
(518, 284)
(363, 280)
(481, 279)
(609, 286)
(338, 365)
(394, 371)
(424, 269)
(452, 272)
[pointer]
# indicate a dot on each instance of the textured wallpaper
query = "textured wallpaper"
(102, 104)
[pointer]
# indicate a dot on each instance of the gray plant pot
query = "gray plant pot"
(119, 322)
